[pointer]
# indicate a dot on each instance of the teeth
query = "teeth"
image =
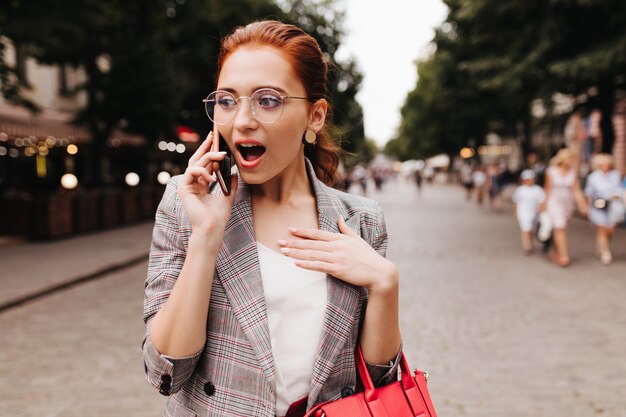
(248, 145)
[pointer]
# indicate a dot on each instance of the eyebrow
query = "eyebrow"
(273, 87)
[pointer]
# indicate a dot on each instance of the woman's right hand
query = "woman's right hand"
(207, 213)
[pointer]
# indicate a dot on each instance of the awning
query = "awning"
(16, 125)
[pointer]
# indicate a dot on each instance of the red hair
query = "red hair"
(311, 68)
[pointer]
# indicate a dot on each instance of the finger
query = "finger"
(316, 266)
(306, 244)
(345, 229)
(314, 234)
(201, 149)
(192, 174)
(208, 157)
(308, 255)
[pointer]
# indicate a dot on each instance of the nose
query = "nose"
(244, 119)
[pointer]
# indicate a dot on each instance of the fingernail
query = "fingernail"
(293, 229)
(281, 242)
(222, 152)
(285, 250)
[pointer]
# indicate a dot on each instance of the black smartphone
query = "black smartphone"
(222, 168)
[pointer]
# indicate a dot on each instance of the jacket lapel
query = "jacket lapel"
(239, 271)
(343, 298)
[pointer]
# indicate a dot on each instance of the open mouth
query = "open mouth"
(251, 152)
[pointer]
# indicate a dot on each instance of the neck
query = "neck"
(291, 184)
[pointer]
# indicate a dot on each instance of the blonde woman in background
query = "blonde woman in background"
(563, 192)
(602, 189)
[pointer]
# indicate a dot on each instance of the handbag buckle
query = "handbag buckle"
(423, 372)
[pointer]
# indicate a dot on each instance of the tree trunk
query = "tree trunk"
(100, 131)
(606, 104)
(526, 137)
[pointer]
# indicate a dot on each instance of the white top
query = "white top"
(296, 304)
(527, 198)
(601, 185)
(479, 178)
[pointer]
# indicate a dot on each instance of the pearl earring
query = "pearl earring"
(310, 137)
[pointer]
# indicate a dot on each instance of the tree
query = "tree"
(131, 80)
(589, 54)
(150, 63)
(504, 55)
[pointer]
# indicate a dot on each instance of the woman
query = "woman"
(603, 188)
(562, 189)
(255, 301)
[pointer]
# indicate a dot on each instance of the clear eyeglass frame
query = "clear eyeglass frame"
(228, 105)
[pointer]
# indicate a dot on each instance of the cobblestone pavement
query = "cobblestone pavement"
(501, 334)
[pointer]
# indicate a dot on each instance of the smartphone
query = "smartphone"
(222, 168)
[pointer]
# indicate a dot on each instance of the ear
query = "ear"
(317, 115)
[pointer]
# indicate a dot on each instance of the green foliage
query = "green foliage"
(493, 58)
(163, 57)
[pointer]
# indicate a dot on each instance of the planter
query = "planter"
(86, 211)
(109, 208)
(16, 215)
(52, 216)
(129, 206)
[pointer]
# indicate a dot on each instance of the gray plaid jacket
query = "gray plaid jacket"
(234, 375)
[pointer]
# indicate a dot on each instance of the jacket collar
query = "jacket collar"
(238, 269)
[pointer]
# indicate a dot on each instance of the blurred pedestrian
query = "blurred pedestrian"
(479, 178)
(418, 180)
(529, 199)
(429, 174)
(604, 192)
(255, 300)
(466, 180)
(359, 176)
(562, 188)
(494, 185)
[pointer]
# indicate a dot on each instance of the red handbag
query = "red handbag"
(408, 397)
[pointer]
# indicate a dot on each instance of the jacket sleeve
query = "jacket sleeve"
(382, 374)
(167, 255)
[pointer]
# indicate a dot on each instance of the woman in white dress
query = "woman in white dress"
(603, 188)
(563, 191)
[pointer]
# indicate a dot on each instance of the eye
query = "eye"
(269, 100)
(226, 101)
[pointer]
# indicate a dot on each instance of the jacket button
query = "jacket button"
(166, 385)
(209, 388)
(346, 392)
(164, 388)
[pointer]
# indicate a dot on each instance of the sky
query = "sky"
(385, 38)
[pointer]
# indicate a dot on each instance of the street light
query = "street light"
(163, 177)
(466, 153)
(132, 179)
(69, 181)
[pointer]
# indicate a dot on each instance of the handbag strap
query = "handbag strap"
(408, 382)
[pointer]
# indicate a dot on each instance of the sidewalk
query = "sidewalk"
(29, 269)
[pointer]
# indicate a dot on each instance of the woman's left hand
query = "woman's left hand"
(344, 255)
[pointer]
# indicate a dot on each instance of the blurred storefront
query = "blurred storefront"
(45, 187)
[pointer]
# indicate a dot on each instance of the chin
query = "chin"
(251, 178)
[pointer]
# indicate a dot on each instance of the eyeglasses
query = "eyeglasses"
(266, 105)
